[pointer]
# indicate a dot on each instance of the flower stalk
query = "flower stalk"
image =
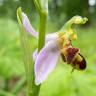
(42, 29)
(43, 12)
(42, 8)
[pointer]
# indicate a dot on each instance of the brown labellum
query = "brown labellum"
(71, 53)
(72, 56)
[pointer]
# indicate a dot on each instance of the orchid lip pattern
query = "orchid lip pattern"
(57, 45)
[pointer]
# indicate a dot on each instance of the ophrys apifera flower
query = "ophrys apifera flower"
(58, 44)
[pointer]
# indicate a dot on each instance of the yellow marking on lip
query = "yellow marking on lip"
(74, 36)
(70, 31)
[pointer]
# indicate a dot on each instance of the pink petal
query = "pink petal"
(46, 61)
(35, 54)
(52, 36)
(28, 26)
(30, 29)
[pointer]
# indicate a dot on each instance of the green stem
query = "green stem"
(41, 43)
(42, 29)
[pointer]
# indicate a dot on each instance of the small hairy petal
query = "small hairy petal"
(27, 25)
(46, 61)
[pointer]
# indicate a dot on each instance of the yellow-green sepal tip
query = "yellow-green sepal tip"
(19, 15)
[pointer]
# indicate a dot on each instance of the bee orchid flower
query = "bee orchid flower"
(58, 44)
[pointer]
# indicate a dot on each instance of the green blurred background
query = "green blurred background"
(61, 82)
